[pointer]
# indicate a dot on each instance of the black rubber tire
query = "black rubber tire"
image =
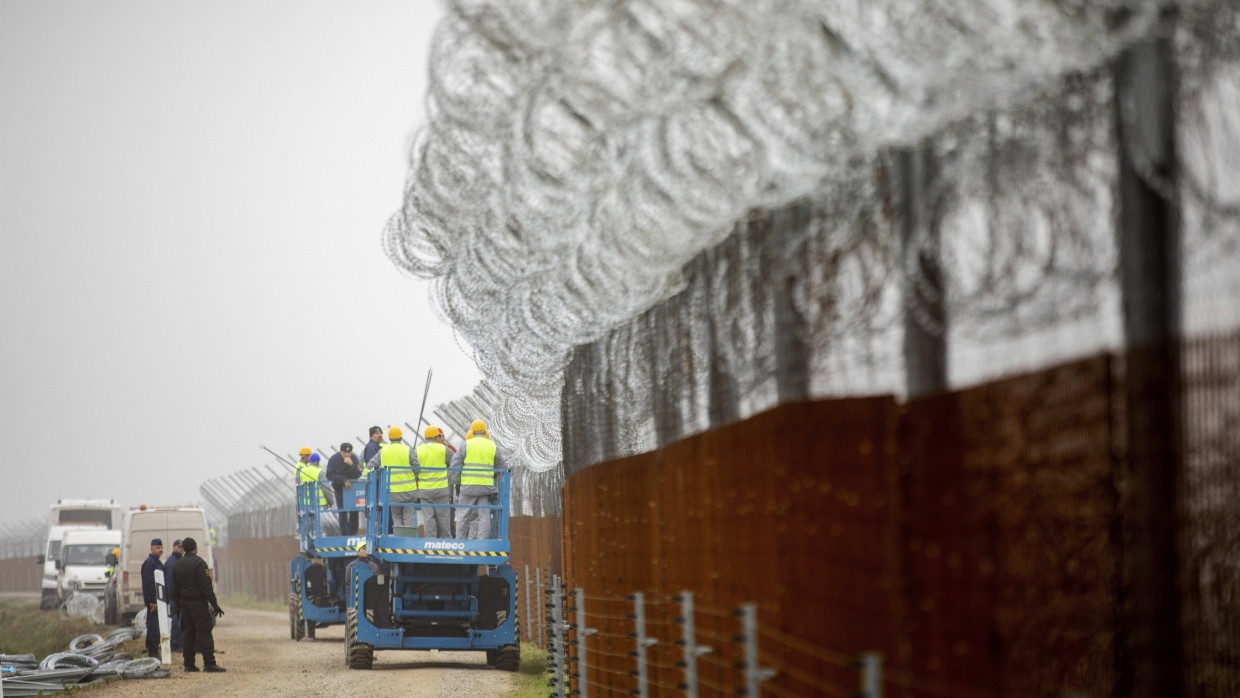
(360, 655)
(49, 601)
(492, 655)
(299, 628)
(292, 618)
(308, 629)
(509, 658)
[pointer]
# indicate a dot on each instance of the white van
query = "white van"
(51, 552)
(123, 598)
(83, 562)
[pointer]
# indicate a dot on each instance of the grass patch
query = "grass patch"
(253, 603)
(531, 680)
(24, 629)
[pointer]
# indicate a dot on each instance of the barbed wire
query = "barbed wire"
(578, 154)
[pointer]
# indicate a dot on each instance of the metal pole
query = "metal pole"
(287, 461)
(755, 674)
(557, 639)
(643, 643)
(925, 312)
(583, 682)
(422, 409)
(538, 586)
(279, 477)
(1150, 280)
(691, 649)
(871, 675)
(529, 616)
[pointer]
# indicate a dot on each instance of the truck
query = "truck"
(65, 515)
(432, 593)
(123, 594)
(86, 512)
(316, 574)
(83, 561)
(49, 559)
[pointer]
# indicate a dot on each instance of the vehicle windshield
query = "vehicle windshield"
(53, 549)
(95, 554)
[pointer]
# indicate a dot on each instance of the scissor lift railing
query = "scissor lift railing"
(311, 537)
(390, 546)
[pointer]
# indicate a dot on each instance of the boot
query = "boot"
(214, 669)
(190, 667)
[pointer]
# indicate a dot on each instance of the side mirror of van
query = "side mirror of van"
(59, 565)
(40, 560)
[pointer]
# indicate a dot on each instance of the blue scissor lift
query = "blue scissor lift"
(316, 575)
(433, 593)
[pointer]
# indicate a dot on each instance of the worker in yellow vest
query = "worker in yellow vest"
(308, 470)
(432, 461)
(403, 481)
(474, 469)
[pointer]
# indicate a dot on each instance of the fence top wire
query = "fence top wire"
(753, 95)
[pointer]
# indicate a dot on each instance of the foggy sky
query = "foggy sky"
(191, 200)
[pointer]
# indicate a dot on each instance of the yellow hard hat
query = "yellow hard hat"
(116, 551)
(305, 451)
(360, 544)
(478, 427)
(432, 431)
(394, 433)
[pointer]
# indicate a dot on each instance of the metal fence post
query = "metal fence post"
(538, 588)
(556, 640)
(529, 614)
(691, 649)
(642, 642)
(1151, 278)
(871, 675)
(755, 674)
(582, 633)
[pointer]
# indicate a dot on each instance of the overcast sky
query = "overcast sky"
(191, 202)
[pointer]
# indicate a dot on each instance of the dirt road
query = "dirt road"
(262, 661)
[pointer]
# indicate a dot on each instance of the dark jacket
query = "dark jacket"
(371, 449)
(169, 565)
(149, 565)
(192, 584)
(338, 471)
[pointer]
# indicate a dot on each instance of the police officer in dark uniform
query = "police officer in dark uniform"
(149, 565)
(195, 599)
(170, 564)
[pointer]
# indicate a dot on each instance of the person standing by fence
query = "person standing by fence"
(474, 468)
(149, 598)
(174, 631)
(342, 469)
(195, 599)
(402, 481)
(432, 461)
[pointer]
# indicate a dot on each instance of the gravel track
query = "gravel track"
(262, 661)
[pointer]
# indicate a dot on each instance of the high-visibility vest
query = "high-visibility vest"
(310, 473)
(403, 478)
(433, 457)
(479, 463)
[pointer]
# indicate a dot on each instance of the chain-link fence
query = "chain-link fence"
(22, 538)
